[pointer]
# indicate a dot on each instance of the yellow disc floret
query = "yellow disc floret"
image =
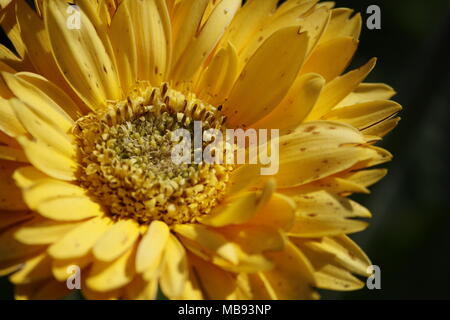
(125, 157)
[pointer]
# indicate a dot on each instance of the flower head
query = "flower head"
(90, 102)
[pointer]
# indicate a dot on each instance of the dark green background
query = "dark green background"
(409, 236)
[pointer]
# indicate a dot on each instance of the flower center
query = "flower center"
(126, 163)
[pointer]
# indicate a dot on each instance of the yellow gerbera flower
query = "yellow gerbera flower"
(89, 100)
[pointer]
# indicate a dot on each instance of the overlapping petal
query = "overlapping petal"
(272, 67)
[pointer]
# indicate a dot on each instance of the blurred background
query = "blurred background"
(409, 235)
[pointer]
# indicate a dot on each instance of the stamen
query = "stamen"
(125, 159)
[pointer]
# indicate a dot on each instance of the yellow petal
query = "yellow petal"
(140, 289)
(9, 123)
(192, 290)
(254, 239)
(35, 269)
(81, 57)
(211, 241)
(293, 275)
(308, 227)
(317, 150)
(10, 268)
(116, 240)
(376, 156)
(79, 241)
(108, 8)
(367, 92)
(107, 276)
(11, 60)
(39, 6)
(61, 269)
(11, 28)
(152, 38)
(48, 160)
(60, 201)
(243, 290)
(11, 249)
(170, 6)
(308, 21)
(122, 40)
(256, 94)
(186, 21)
(54, 95)
(346, 253)
(42, 131)
(321, 214)
(174, 273)
(343, 24)
(151, 246)
(331, 58)
(10, 195)
(248, 263)
(99, 15)
(315, 24)
(322, 204)
(334, 278)
(336, 90)
(366, 178)
(260, 288)
(40, 232)
(223, 89)
(288, 5)
(383, 128)
(4, 3)
(329, 274)
(366, 114)
(212, 76)
(210, 245)
(335, 185)
(27, 176)
(252, 16)
(8, 140)
(49, 189)
(327, 4)
(35, 38)
(39, 101)
(297, 104)
(216, 81)
(239, 209)
(217, 284)
(12, 154)
(205, 40)
(279, 212)
(69, 208)
(4, 90)
(242, 178)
